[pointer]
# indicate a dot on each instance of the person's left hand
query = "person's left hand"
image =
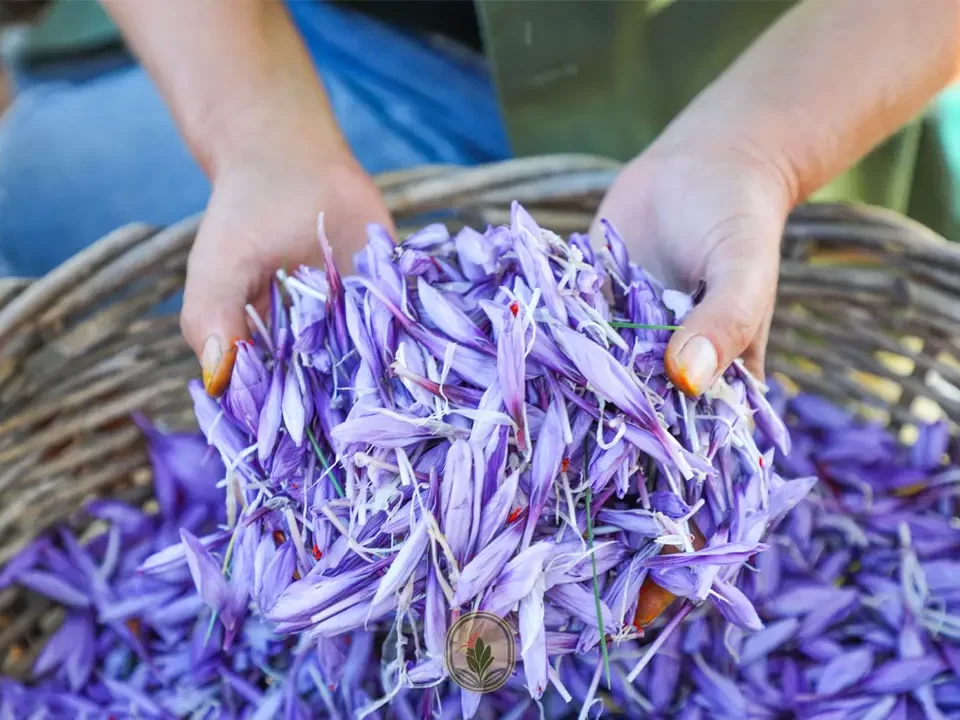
(715, 212)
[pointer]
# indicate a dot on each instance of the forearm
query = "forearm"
(232, 71)
(828, 82)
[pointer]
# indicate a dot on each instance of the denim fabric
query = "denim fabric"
(82, 153)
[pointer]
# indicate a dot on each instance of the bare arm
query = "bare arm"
(253, 111)
(708, 200)
(829, 81)
(232, 71)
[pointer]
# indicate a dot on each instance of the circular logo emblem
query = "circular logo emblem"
(481, 652)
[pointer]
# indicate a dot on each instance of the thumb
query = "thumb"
(213, 318)
(741, 278)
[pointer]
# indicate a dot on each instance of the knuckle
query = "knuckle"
(741, 324)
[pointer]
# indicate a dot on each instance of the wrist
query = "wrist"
(742, 147)
(299, 130)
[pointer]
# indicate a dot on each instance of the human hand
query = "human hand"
(262, 216)
(713, 212)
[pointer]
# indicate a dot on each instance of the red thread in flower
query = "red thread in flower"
(515, 308)
(565, 465)
(293, 485)
(760, 460)
(317, 553)
(514, 514)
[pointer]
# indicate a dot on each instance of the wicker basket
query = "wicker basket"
(868, 313)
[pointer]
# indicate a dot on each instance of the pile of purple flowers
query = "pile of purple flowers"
(479, 421)
(858, 594)
(483, 422)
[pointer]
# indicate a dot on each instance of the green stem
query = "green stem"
(324, 463)
(596, 587)
(641, 326)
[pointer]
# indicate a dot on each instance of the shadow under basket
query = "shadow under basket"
(868, 315)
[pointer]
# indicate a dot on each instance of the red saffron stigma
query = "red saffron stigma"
(515, 308)
(278, 537)
(760, 460)
(317, 553)
(514, 514)
(565, 465)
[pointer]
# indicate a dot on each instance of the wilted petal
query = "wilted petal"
(669, 504)
(270, 416)
(904, 675)
(386, 429)
(579, 602)
(511, 369)
(736, 607)
(404, 564)
(844, 670)
(518, 578)
(528, 244)
(53, 587)
(547, 458)
(767, 640)
(435, 617)
(456, 499)
(206, 573)
(722, 693)
(802, 599)
(294, 415)
(273, 572)
(829, 613)
(249, 384)
(639, 522)
(533, 641)
(665, 673)
(725, 554)
(450, 319)
(487, 564)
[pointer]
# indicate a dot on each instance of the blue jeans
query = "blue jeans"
(85, 151)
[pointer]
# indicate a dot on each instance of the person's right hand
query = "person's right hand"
(262, 216)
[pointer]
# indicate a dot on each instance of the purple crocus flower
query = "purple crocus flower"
(249, 385)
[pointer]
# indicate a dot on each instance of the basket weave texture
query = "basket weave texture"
(868, 314)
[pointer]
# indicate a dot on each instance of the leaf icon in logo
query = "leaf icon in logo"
(484, 657)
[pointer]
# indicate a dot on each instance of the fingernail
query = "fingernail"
(696, 364)
(210, 360)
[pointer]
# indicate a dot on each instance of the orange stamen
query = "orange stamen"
(278, 537)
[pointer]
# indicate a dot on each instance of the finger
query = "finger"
(218, 287)
(741, 281)
(755, 356)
